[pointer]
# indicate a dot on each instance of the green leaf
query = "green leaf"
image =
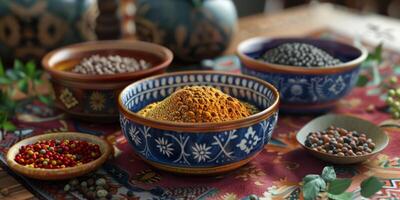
(1, 69)
(328, 174)
(23, 85)
(370, 186)
(362, 81)
(30, 68)
(38, 74)
(11, 75)
(20, 74)
(4, 80)
(18, 65)
(378, 53)
(339, 186)
(44, 99)
(7, 104)
(3, 117)
(312, 188)
(8, 126)
(342, 196)
(310, 177)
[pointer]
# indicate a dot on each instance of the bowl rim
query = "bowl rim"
(201, 127)
(90, 46)
(375, 151)
(63, 171)
(265, 66)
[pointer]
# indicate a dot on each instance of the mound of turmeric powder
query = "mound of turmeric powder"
(198, 104)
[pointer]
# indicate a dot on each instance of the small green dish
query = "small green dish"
(372, 131)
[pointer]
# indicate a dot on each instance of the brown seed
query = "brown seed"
(325, 138)
(371, 145)
(314, 139)
(331, 132)
(342, 131)
(340, 154)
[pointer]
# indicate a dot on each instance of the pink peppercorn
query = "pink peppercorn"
(54, 154)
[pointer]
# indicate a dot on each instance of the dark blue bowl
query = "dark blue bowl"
(198, 148)
(304, 90)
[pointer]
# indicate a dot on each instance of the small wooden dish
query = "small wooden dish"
(350, 123)
(58, 174)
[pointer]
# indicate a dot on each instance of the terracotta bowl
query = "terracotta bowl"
(350, 123)
(198, 148)
(58, 174)
(304, 90)
(94, 98)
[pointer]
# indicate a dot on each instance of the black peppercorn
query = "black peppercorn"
(299, 54)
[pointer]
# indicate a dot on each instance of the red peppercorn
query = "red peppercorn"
(54, 154)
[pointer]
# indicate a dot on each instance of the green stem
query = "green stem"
(34, 90)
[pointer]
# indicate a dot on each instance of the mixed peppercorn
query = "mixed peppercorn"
(299, 54)
(340, 142)
(55, 154)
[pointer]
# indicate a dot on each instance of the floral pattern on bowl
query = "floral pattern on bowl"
(90, 102)
(309, 88)
(191, 149)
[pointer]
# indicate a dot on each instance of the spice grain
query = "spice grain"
(197, 104)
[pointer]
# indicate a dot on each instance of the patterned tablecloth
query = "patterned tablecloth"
(274, 174)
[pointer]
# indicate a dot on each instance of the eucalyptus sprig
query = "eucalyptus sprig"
(26, 79)
(7, 109)
(336, 188)
(374, 59)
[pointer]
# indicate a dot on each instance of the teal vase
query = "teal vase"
(30, 28)
(193, 30)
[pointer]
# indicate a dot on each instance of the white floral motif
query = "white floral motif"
(224, 145)
(164, 147)
(338, 86)
(250, 141)
(134, 133)
(296, 90)
(201, 152)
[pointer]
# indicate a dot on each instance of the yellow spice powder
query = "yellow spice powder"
(198, 104)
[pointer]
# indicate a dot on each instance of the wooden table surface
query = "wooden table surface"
(298, 21)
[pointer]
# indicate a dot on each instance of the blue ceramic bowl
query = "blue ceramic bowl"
(304, 90)
(198, 148)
